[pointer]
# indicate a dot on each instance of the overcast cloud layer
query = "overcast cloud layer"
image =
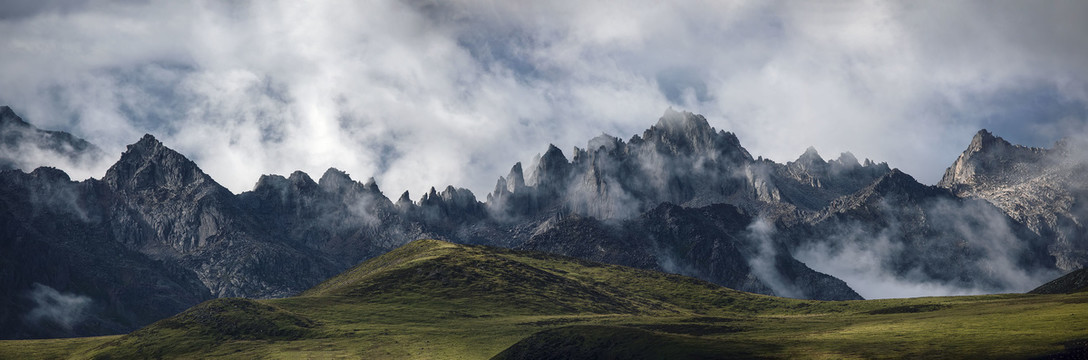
(421, 94)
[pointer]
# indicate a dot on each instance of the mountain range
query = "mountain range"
(156, 235)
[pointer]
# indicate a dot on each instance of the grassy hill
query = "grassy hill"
(436, 300)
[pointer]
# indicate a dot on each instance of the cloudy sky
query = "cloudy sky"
(421, 93)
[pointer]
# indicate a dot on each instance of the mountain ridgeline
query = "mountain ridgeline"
(156, 234)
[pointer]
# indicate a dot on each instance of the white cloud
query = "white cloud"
(424, 93)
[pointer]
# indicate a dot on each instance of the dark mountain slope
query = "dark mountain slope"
(1076, 281)
(338, 217)
(67, 273)
(182, 214)
(717, 243)
(917, 231)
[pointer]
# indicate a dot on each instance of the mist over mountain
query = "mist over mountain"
(23, 146)
(1044, 189)
(682, 197)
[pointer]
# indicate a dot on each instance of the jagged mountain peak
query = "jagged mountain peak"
(552, 168)
(989, 156)
(148, 143)
(685, 133)
(683, 121)
(608, 142)
(299, 177)
(297, 181)
(810, 156)
(9, 118)
(405, 199)
(149, 164)
(51, 174)
(51, 148)
(516, 178)
(334, 179)
(269, 181)
(848, 160)
(984, 140)
(553, 155)
(897, 181)
(371, 185)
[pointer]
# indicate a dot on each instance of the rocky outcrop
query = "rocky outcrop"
(1044, 189)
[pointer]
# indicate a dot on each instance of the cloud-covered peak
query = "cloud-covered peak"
(810, 156)
(9, 118)
(223, 84)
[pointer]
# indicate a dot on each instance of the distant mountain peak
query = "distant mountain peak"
(898, 181)
(673, 119)
(683, 124)
(8, 117)
(334, 178)
(405, 199)
(848, 160)
(51, 173)
(984, 139)
(985, 158)
(810, 156)
(552, 169)
(149, 164)
(148, 141)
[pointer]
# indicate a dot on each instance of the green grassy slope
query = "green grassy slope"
(436, 300)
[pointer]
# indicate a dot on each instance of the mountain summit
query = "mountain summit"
(1044, 189)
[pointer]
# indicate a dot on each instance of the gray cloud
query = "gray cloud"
(764, 261)
(869, 258)
(422, 93)
(52, 307)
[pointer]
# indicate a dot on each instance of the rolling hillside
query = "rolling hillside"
(432, 299)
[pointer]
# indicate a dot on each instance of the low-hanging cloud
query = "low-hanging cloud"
(421, 93)
(764, 261)
(951, 247)
(55, 308)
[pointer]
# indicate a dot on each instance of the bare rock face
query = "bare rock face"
(1044, 189)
